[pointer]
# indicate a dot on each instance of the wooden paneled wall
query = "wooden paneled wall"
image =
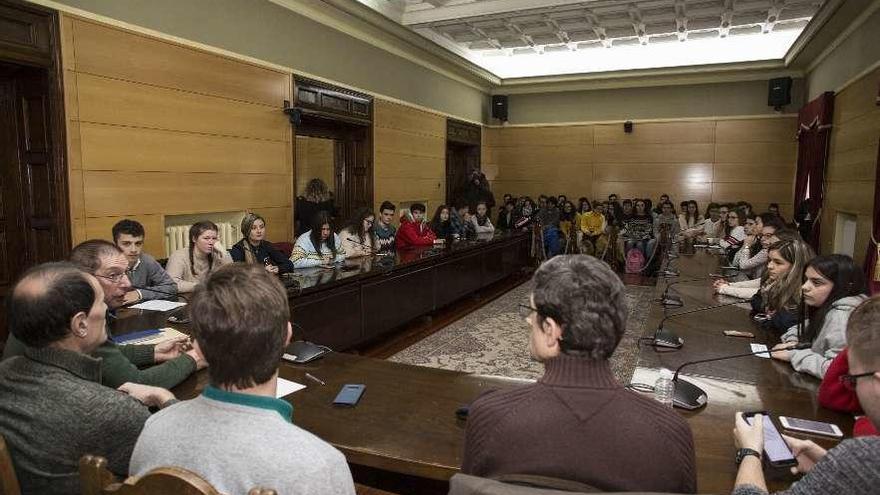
(409, 158)
(314, 159)
(852, 163)
(706, 160)
(155, 129)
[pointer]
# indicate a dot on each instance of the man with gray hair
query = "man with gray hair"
(577, 422)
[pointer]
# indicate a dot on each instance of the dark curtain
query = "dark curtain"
(872, 259)
(814, 133)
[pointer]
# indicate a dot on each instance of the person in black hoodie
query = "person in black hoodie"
(253, 247)
(506, 217)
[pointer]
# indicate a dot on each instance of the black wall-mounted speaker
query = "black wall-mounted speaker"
(779, 92)
(499, 107)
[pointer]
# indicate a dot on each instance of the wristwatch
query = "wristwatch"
(743, 453)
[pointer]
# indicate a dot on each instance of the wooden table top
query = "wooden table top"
(405, 421)
(742, 384)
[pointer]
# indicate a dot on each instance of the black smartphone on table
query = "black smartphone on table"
(349, 395)
(776, 451)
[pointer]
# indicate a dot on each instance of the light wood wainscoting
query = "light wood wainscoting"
(707, 160)
(409, 158)
(852, 163)
(155, 129)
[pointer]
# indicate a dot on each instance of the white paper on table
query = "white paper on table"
(287, 387)
(760, 347)
(159, 305)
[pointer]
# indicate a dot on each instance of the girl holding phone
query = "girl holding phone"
(833, 287)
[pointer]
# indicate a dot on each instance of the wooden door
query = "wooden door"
(29, 216)
(461, 161)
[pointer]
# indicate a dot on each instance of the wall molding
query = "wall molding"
(855, 25)
(871, 68)
(729, 73)
(90, 16)
(645, 121)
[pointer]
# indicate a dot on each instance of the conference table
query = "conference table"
(749, 383)
(405, 424)
(368, 297)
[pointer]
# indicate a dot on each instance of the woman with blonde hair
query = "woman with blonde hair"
(254, 248)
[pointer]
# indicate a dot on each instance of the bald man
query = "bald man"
(53, 408)
(164, 365)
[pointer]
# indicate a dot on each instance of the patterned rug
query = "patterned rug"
(494, 339)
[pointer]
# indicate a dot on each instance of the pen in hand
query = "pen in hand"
(312, 377)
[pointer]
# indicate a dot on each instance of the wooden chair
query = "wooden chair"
(8, 481)
(96, 479)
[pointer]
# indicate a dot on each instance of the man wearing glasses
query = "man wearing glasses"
(163, 365)
(852, 466)
(577, 422)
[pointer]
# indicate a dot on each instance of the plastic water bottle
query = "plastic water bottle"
(664, 388)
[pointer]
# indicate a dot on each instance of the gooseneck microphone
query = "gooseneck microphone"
(359, 243)
(152, 289)
(668, 299)
(666, 338)
(689, 396)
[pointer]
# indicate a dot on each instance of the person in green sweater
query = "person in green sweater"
(163, 365)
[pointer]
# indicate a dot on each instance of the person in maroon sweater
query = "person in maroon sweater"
(414, 232)
(837, 396)
(577, 422)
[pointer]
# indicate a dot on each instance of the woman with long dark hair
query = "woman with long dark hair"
(441, 223)
(318, 246)
(833, 287)
(190, 265)
(690, 222)
(735, 231)
(639, 229)
(254, 248)
(357, 237)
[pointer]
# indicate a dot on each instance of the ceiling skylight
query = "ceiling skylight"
(528, 38)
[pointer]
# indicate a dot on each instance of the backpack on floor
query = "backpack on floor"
(635, 260)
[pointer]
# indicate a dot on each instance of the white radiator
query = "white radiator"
(177, 236)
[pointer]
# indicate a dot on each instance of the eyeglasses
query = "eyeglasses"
(525, 310)
(115, 279)
(849, 381)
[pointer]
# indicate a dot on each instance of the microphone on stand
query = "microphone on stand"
(666, 338)
(689, 396)
(152, 289)
(668, 272)
(361, 244)
(668, 299)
